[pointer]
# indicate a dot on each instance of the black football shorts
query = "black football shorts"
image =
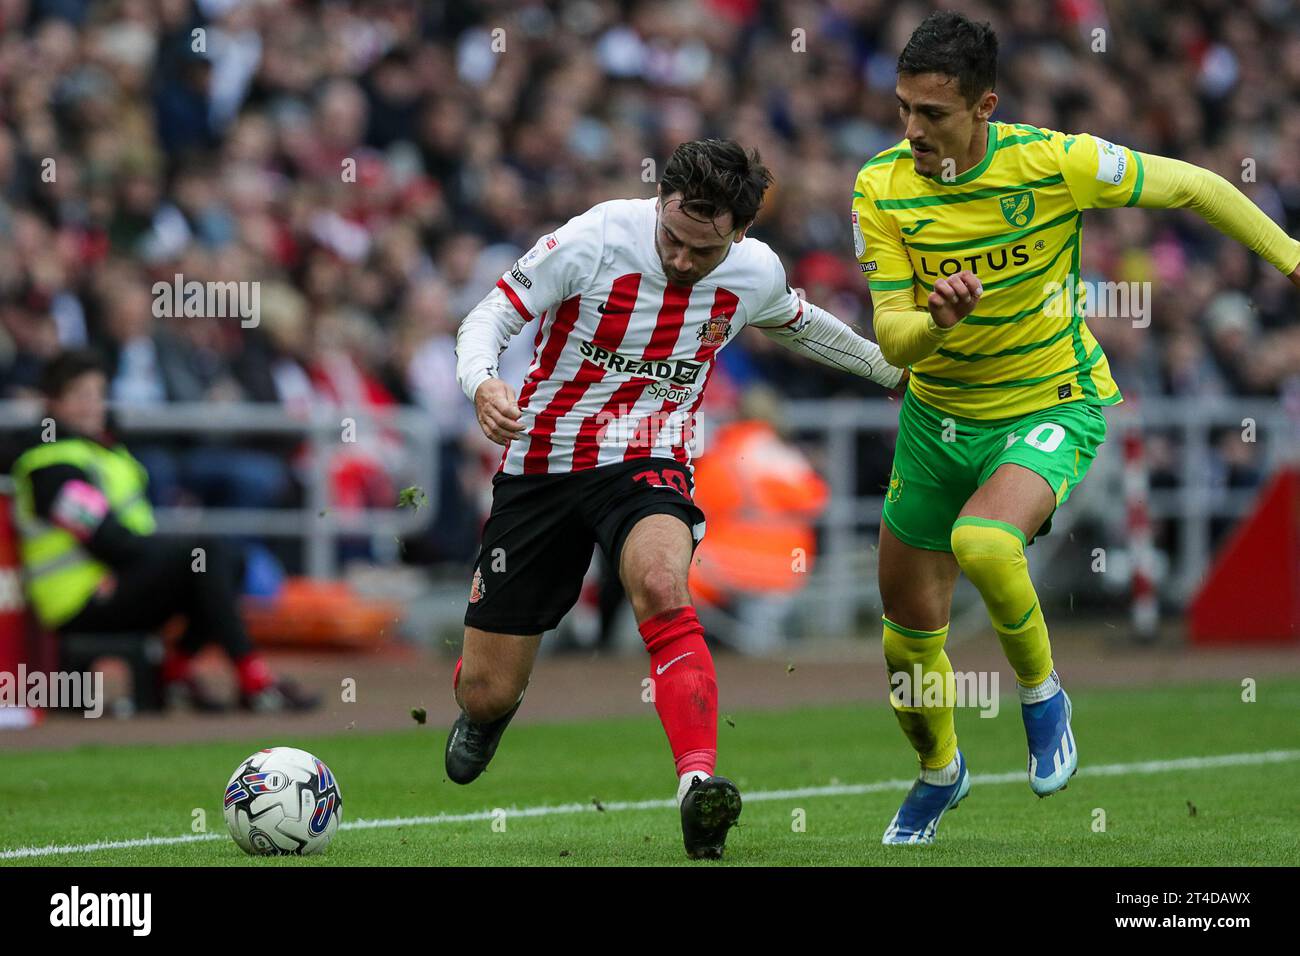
(539, 538)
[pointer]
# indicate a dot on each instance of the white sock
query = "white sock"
(945, 776)
(1040, 692)
(684, 784)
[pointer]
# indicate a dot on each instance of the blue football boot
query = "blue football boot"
(1053, 757)
(923, 807)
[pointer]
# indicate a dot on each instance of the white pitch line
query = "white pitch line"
(758, 796)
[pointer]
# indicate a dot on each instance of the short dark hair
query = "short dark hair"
(715, 176)
(66, 367)
(951, 43)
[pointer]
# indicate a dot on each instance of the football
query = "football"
(283, 802)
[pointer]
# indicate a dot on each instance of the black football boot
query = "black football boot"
(710, 808)
(471, 744)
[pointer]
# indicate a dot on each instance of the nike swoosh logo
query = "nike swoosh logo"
(920, 224)
(1012, 627)
(664, 667)
(604, 309)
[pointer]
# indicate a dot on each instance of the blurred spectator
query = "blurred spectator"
(762, 496)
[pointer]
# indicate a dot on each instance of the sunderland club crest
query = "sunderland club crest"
(715, 330)
(476, 589)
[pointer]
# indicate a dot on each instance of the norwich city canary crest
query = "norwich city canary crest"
(1018, 208)
(895, 486)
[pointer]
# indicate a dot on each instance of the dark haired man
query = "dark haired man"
(91, 560)
(632, 299)
(1003, 413)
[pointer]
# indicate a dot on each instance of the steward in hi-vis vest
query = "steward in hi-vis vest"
(69, 493)
(92, 562)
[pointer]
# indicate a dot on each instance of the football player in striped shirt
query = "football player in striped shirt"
(631, 302)
(968, 232)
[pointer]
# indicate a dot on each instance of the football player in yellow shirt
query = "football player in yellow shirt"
(969, 232)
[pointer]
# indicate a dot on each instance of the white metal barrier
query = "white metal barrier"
(319, 525)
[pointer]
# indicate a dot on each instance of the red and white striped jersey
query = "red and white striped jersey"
(621, 355)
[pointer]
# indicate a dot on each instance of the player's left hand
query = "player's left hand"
(954, 298)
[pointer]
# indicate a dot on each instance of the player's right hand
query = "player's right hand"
(954, 298)
(498, 412)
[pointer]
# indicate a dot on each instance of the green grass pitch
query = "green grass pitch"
(1188, 814)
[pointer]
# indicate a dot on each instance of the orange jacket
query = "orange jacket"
(760, 496)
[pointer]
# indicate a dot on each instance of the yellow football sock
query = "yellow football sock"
(926, 718)
(992, 555)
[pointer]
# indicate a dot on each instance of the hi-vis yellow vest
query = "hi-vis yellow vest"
(59, 575)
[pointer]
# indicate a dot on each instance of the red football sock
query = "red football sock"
(253, 673)
(177, 665)
(685, 688)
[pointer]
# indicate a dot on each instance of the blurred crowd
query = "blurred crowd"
(377, 165)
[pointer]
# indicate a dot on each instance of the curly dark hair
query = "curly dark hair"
(950, 43)
(714, 176)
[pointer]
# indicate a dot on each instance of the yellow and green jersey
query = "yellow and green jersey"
(1015, 220)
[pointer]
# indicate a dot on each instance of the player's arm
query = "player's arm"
(550, 272)
(482, 337)
(908, 334)
(905, 332)
(65, 497)
(817, 334)
(1102, 175)
(1174, 184)
(814, 333)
